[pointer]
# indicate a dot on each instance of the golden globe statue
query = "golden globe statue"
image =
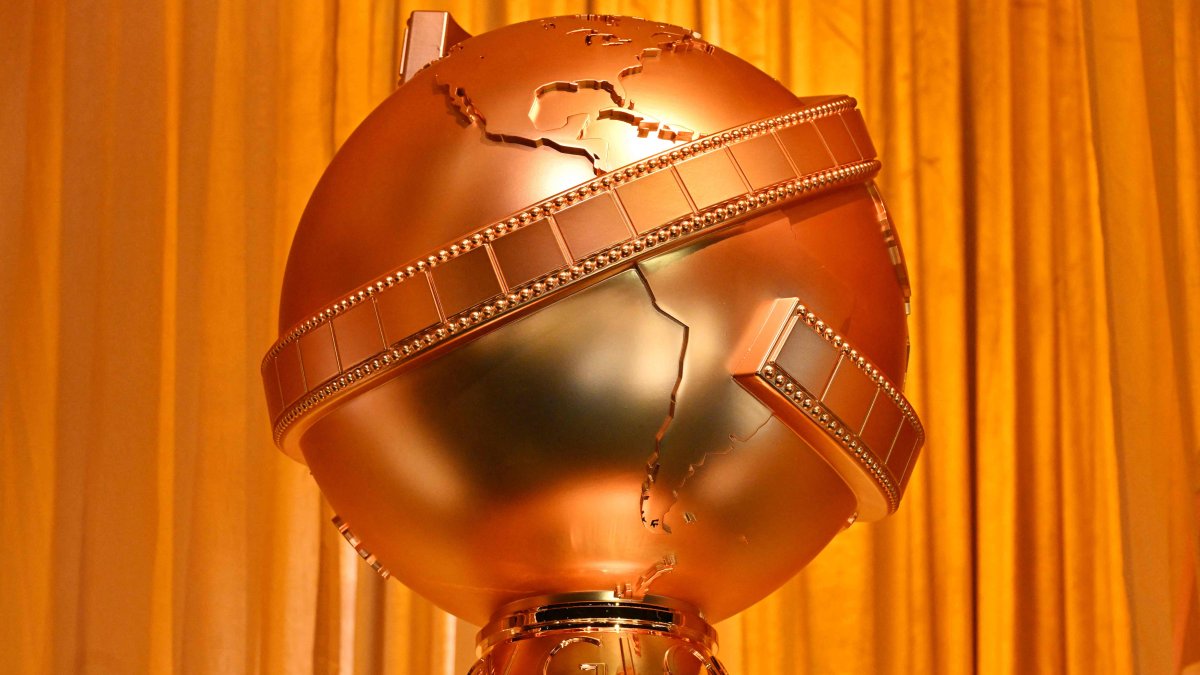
(593, 334)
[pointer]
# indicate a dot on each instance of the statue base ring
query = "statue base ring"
(598, 633)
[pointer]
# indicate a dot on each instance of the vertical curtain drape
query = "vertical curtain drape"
(1041, 161)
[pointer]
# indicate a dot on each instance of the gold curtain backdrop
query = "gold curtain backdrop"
(1040, 159)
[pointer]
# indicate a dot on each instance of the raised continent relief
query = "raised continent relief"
(591, 116)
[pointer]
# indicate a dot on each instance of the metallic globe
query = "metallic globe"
(592, 333)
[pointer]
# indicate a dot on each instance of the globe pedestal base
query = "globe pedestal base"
(598, 633)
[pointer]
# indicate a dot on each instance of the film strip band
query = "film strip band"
(574, 238)
(809, 375)
(362, 552)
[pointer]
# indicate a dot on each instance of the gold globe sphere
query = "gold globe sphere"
(591, 311)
